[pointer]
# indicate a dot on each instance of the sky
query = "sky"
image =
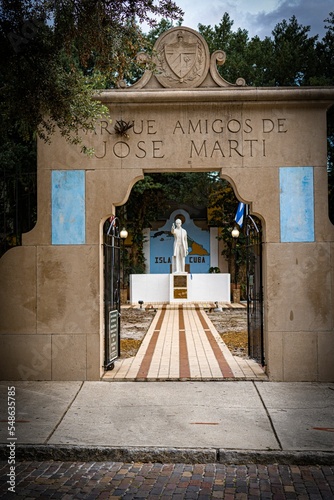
(258, 17)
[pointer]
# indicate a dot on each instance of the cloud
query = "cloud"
(307, 12)
(258, 17)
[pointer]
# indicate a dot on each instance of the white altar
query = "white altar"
(187, 287)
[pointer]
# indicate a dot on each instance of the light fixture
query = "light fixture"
(123, 234)
(235, 232)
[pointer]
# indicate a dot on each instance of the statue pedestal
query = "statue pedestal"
(179, 287)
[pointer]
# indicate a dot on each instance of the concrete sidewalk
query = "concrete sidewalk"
(198, 422)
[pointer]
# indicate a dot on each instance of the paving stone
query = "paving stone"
(130, 481)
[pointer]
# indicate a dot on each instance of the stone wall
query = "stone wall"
(51, 312)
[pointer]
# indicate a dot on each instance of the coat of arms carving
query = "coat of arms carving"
(182, 58)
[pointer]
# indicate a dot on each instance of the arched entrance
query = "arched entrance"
(269, 142)
(211, 250)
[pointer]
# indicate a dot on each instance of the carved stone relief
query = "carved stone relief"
(182, 60)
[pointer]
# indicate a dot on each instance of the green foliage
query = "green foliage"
(150, 199)
(325, 53)
(43, 89)
(289, 58)
(214, 270)
(186, 188)
(51, 52)
(54, 55)
(18, 192)
(162, 26)
(143, 205)
(260, 55)
(221, 37)
(222, 207)
(294, 57)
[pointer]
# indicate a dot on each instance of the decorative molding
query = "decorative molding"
(219, 58)
(182, 60)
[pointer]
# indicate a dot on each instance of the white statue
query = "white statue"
(180, 246)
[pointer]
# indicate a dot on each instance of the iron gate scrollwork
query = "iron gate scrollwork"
(112, 303)
(254, 290)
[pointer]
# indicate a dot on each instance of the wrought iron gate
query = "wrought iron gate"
(254, 290)
(111, 247)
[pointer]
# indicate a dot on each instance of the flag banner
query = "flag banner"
(239, 216)
(112, 221)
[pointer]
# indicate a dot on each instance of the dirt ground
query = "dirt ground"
(231, 324)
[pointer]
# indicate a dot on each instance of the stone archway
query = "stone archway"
(269, 142)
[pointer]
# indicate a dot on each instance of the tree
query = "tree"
(294, 57)
(259, 59)
(164, 25)
(18, 192)
(222, 207)
(54, 55)
(289, 58)
(234, 44)
(249, 59)
(152, 197)
(325, 76)
(220, 36)
(143, 205)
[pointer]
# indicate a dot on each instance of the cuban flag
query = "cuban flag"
(239, 216)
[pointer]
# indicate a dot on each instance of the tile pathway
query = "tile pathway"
(183, 344)
(115, 480)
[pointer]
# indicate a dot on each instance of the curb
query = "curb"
(70, 453)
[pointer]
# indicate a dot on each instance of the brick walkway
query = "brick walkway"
(183, 344)
(115, 480)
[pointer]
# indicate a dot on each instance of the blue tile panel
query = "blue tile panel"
(296, 204)
(68, 207)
